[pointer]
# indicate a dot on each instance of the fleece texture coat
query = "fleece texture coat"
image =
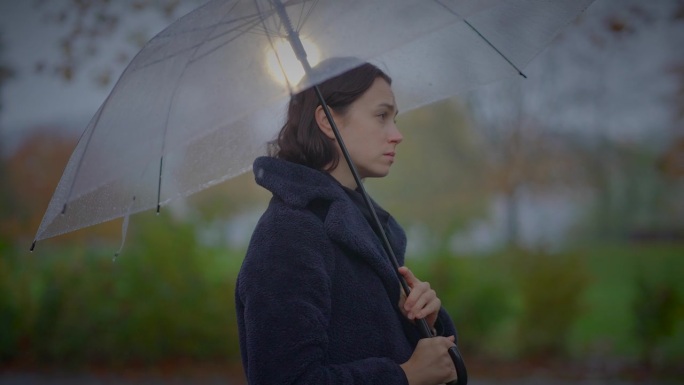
(316, 298)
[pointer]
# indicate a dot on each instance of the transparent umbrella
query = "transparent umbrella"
(203, 98)
(199, 102)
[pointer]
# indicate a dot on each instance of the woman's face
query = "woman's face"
(370, 133)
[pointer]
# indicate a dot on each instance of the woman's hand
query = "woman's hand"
(430, 363)
(422, 302)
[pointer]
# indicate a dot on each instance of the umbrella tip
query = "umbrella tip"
(522, 74)
(33, 246)
(64, 209)
(158, 207)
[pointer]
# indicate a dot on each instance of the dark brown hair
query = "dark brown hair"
(300, 140)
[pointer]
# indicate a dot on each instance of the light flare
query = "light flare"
(282, 62)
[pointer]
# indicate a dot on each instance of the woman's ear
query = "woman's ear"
(323, 123)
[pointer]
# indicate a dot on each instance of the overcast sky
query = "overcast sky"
(34, 99)
(595, 82)
(628, 79)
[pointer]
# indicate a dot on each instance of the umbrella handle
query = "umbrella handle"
(459, 364)
(454, 353)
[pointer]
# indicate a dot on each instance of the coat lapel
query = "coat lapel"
(346, 226)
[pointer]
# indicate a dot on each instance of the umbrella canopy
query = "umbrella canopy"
(201, 100)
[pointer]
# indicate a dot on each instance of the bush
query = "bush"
(9, 312)
(476, 296)
(160, 299)
(657, 309)
(551, 289)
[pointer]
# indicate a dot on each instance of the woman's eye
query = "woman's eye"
(382, 115)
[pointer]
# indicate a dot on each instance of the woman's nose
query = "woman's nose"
(395, 135)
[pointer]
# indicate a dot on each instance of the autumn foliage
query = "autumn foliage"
(30, 175)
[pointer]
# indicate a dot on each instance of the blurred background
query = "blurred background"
(547, 212)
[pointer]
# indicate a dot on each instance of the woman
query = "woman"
(317, 300)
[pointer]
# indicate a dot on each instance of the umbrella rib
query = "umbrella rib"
(248, 19)
(275, 51)
(482, 37)
(247, 27)
(80, 160)
(253, 23)
(246, 23)
(168, 35)
(495, 49)
(79, 164)
(168, 112)
(304, 18)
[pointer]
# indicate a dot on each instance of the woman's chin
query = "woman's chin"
(380, 173)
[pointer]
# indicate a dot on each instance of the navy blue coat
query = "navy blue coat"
(316, 298)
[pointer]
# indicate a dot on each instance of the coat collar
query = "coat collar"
(298, 186)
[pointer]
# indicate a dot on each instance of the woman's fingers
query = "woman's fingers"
(422, 302)
(430, 362)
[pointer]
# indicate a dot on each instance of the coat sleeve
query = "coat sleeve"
(445, 326)
(284, 300)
